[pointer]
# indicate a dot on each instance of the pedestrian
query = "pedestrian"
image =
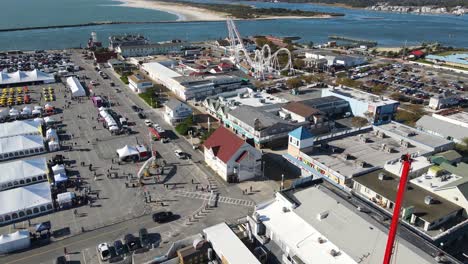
(192, 181)
(250, 188)
(196, 187)
(97, 195)
(65, 251)
(75, 212)
(243, 192)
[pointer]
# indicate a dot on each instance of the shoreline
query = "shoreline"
(189, 13)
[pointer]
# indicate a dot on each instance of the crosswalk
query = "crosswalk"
(221, 199)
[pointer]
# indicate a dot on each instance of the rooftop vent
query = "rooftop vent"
(285, 209)
(361, 163)
(321, 240)
(382, 176)
(322, 215)
(428, 200)
(334, 253)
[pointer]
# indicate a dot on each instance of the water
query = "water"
(388, 29)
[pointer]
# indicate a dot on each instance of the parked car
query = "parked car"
(141, 115)
(148, 122)
(135, 108)
(119, 248)
(131, 242)
(162, 217)
(112, 84)
(179, 153)
(144, 237)
(61, 260)
(103, 251)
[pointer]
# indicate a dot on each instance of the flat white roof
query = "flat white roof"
(353, 232)
(419, 163)
(157, 68)
(228, 246)
(25, 197)
(23, 127)
(22, 169)
(20, 143)
(300, 236)
(75, 86)
(361, 96)
(25, 76)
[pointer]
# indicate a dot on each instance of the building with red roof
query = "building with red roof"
(231, 157)
(417, 53)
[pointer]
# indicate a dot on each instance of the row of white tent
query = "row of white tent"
(14, 241)
(19, 77)
(110, 121)
(75, 86)
(25, 112)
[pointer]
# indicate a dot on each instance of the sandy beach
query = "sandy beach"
(189, 13)
(184, 13)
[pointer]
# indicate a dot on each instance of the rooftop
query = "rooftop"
(223, 143)
(461, 117)
(301, 133)
(21, 169)
(23, 127)
(414, 195)
(228, 246)
(250, 115)
(371, 152)
(461, 58)
(362, 96)
(301, 109)
(138, 78)
(441, 127)
(356, 236)
(413, 135)
(25, 197)
(159, 69)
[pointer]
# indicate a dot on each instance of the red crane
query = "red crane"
(406, 159)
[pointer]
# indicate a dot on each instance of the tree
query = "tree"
(184, 127)
(359, 122)
(299, 63)
(293, 83)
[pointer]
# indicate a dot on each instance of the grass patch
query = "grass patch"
(124, 79)
(150, 97)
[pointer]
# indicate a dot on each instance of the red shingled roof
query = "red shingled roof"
(224, 143)
(417, 53)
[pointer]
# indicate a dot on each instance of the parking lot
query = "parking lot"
(116, 207)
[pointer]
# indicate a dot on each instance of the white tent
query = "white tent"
(19, 77)
(60, 177)
(75, 87)
(14, 241)
(110, 122)
(58, 168)
(25, 201)
(40, 120)
(22, 172)
(20, 127)
(65, 197)
(54, 145)
(126, 152)
(20, 146)
(49, 120)
(51, 134)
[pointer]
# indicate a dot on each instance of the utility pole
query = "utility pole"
(406, 160)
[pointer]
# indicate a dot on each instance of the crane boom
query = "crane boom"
(406, 159)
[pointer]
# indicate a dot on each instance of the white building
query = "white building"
(25, 202)
(138, 83)
(319, 228)
(176, 111)
(231, 157)
(151, 49)
(443, 127)
(228, 247)
(441, 101)
(334, 59)
(22, 172)
(75, 86)
(24, 77)
(20, 128)
(21, 146)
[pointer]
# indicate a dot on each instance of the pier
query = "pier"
(359, 41)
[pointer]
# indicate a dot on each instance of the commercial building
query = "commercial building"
(262, 124)
(22, 172)
(421, 210)
(442, 128)
(445, 100)
(126, 40)
(151, 49)
(233, 159)
(447, 181)
(75, 87)
(313, 225)
(190, 87)
(378, 109)
(20, 128)
(25, 78)
(21, 146)
(25, 202)
(339, 157)
(300, 112)
(176, 111)
(334, 59)
(138, 83)
(228, 247)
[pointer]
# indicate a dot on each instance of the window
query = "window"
(28, 180)
(43, 208)
(39, 178)
(29, 212)
(7, 218)
(21, 214)
(14, 216)
(21, 181)
(35, 210)
(49, 206)
(34, 179)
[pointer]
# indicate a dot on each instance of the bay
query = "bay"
(388, 29)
